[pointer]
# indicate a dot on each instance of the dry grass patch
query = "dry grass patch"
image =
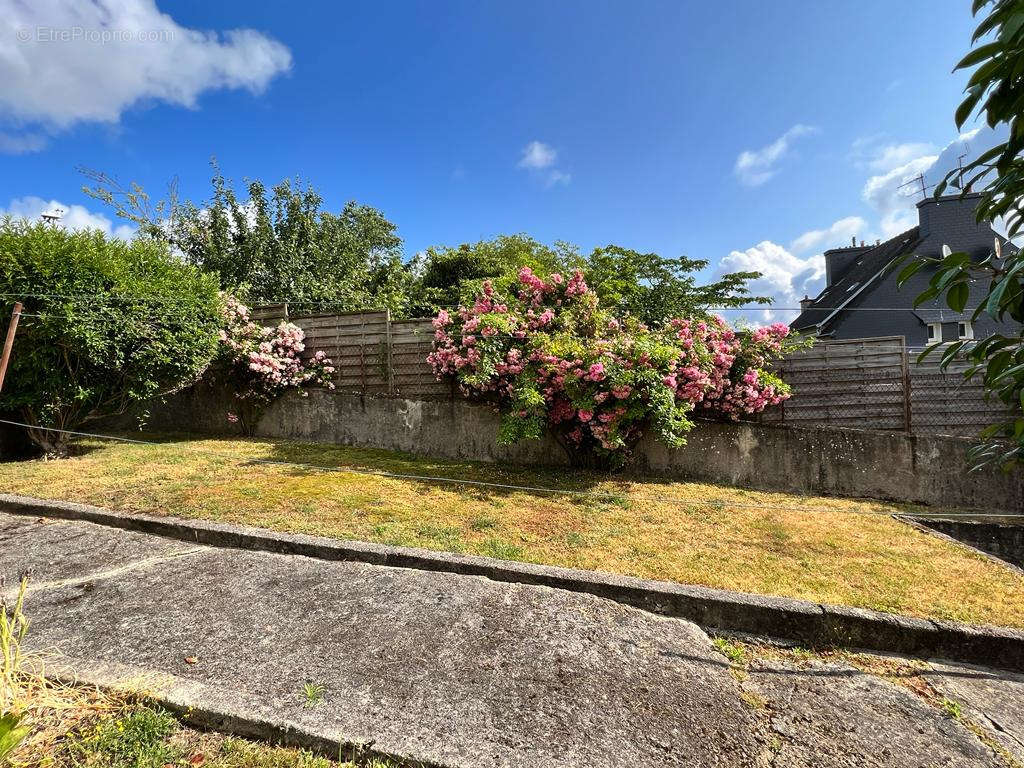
(130, 733)
(35, 712)
(841, 551)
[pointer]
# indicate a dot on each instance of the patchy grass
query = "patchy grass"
(129, 733)
(841, 551)
(735, 652)
(34, 710)
(905, 671)
(313, 693)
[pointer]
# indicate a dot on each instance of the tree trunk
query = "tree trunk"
(249, 415)
(53, 444)
(585, 458)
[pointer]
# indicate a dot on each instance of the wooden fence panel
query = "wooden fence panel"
(863, 383)
(411, 342)
(876, 384)
(372, 354)
(269, 314)
(945, 403)
(358, 345)
(850, 383)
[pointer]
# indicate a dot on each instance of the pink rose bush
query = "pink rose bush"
(550, 359)
(262, 363)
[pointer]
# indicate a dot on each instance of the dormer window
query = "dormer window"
(934, 332)
(965, 331)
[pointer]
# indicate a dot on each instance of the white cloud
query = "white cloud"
(785, 277)
(838, 234)
(876, 155)
(73, 217)
(558, 177)
(538, 155)
(889, 194)
(539, 160)
(21, 145)
(755, 167)
(894, 155)
(65, 62)
(894, 194)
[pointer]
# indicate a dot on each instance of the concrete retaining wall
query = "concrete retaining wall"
(998, 539)
(820, 460)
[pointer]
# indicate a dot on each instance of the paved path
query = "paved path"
(463, 671)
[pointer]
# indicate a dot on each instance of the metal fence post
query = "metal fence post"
(828, 385)
(908, 408)
(389, 359)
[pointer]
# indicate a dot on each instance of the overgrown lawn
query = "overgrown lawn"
(848, 552)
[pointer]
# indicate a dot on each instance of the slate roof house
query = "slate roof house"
(858, 277)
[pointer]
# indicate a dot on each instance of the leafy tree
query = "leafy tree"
(448, 276)
(996, 91)
(653, 288)
(109, 324)
(276, 245)
(645, 286)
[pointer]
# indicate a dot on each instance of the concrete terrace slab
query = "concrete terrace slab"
(444, 668)
(832, 715)
(800, 621)
(454, 670)
(992, 698)
(54, 550)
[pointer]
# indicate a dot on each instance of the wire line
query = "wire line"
(307, 303)
(500, 486)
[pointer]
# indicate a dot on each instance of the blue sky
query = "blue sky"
(748, 133)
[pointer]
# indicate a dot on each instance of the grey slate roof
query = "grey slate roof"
(864, 271)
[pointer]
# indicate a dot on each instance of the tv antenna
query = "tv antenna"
(960, 166)
(53, 217)
(919, 181)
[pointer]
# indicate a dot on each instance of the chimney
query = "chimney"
(839, 260)
(950, 219)
(806, 301)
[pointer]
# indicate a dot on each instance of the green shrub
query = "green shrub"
(107, 324)
(553, 360)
